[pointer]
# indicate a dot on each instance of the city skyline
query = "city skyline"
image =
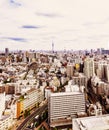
(72, 24)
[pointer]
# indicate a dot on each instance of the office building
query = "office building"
(6, 51)
(64, 105)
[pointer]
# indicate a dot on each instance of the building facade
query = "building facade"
(65, 104)
(70, 70)
(89, 67)
(31, 99)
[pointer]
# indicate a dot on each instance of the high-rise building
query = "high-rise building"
(99, 51)
(89, 67)
(52, 47)
(80, 80)
(101, 69)
(70, 70)
(64, 105)
(6, 51)
(106, 72)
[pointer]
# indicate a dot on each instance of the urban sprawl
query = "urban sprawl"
(44, 90)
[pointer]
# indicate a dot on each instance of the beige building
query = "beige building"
(70, 70)
(80, 80)
(89, 69)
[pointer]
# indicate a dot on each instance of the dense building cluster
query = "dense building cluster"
(67, 80)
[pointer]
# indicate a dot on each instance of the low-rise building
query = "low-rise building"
(6, 122)
(2, 103)
(91, 123)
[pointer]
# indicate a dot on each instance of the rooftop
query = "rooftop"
(4, 117)
(31, 90)
(94, 123)
(64, 93)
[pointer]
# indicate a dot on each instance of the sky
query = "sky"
(69, 24)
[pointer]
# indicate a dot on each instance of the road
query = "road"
(43, 124)
(29, 119)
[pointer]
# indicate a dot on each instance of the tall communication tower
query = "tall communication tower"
(52, 47)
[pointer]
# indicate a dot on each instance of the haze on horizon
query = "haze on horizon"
(70, 24)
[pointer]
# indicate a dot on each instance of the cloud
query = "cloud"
(49, 15)
(106, 20)
(31, 27)
(98, 37)
(91, 24)
(16, 39)
(67, 23)
(14, 2)
(72, 40)
(88, 24)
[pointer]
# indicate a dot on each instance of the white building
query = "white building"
(33, 96)
(72, 88)
(2, 104)
(64, 105)
(48, 91)
(6, 122)
(91, 123)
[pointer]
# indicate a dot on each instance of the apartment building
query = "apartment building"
(80, 80)
(89, 69)
(31, 99)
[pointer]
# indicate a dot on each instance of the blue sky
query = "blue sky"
(70, 24)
